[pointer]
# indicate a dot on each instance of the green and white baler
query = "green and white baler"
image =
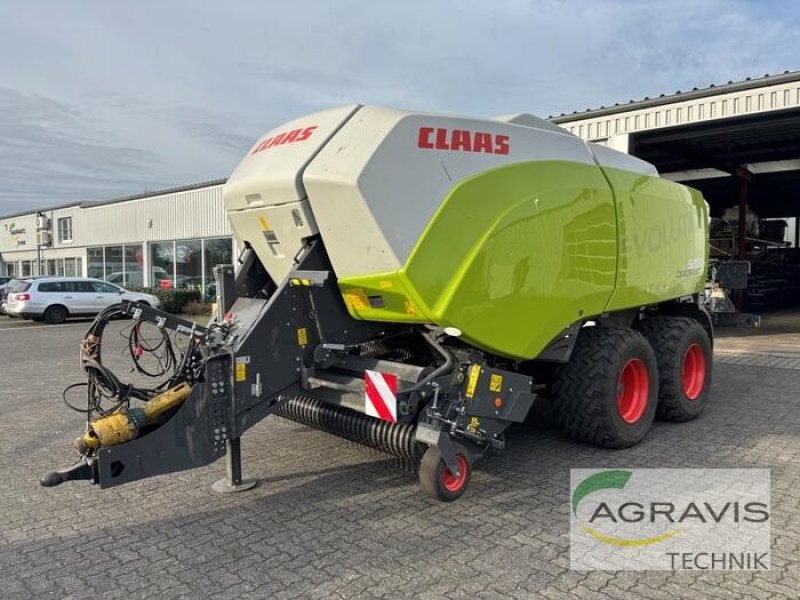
(415, 282)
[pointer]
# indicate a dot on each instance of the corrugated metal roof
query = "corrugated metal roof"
(679, 96)
(140, 196)
(148, 194)
(40, 209)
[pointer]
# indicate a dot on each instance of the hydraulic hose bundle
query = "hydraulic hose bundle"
(108, 397)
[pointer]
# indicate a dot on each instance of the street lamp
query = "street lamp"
(40, 221)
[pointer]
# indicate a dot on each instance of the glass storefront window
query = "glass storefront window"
(216, 252)
(162, 264)
(134, 266)
(188, 264)
(94, 258)
(25, 268)
(10, 270)
(113, 264)
(69, 267)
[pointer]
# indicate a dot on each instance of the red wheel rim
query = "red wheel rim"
(693, 372)
(633, 388)
(452, 483)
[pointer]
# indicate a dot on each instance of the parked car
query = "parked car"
(136, 277)
(55, 299)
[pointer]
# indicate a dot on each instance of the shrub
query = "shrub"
(197, 308)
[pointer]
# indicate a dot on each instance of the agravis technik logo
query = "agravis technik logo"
(670, 519)
(611, 480)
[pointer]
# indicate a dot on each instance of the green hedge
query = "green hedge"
(172, 300)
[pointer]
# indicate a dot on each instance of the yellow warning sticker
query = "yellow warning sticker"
(474, 373)
(496, 383)
(241, 371)
(411, 310)
(302, 337)
(357, 299)
(386, 283)
(264, 224)
(474, 424)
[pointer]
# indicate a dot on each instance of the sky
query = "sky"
(104, 99)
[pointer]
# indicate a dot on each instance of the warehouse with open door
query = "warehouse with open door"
(739, 144)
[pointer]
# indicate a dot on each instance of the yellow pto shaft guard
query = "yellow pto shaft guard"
(125, 424)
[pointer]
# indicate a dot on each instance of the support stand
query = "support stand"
(233, 464)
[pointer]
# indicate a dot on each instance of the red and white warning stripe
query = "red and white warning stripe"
(380, 395)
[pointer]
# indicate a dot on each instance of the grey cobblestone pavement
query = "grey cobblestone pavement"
(333, 520)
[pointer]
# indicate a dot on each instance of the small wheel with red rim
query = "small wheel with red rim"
(437, 479)
(683, 352)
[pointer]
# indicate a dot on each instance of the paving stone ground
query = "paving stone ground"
(333, 520)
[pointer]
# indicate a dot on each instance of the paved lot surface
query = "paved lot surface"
(332, 520)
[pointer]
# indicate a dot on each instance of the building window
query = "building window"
(189, 264)
(113, 269)
(10, 269)
(25, 271)
(689, 113)
(215, 252)
(94, 260)
(133, 265)
(73, 267)
(65, 230)
(736, 106)
(120, 265)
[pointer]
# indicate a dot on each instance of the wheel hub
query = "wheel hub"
(693, 371)
(633, 389)
(452, 483)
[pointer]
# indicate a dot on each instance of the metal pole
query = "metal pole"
(797, 231)
(233, 468)
(742, 177)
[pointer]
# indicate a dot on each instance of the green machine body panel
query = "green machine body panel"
(518, 253)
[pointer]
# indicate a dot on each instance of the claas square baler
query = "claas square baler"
(415, 283)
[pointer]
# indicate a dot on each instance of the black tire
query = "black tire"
(684, 357)
(56, 314)
(437, 480)
(592, 402)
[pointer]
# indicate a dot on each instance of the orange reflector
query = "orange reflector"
(498, 403)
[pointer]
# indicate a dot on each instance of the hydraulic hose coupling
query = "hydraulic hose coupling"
(125, 424)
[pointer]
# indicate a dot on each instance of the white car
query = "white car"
(54, 299)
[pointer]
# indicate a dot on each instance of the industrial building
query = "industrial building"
(167, 238)
(739, 143)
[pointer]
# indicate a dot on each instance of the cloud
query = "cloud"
(108, 99)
